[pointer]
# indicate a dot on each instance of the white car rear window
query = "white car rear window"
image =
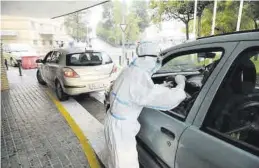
(86, 59)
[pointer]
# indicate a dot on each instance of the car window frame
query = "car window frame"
(228, 48)
(57, 59)
(183, 53)
(49, 54)
(240, 144)
(205, 105)
(107, 55)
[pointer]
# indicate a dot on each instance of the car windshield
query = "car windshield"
(85, 58)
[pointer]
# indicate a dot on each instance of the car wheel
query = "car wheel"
(39, 78)
(62, 96)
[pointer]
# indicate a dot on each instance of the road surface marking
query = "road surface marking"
(90, 155)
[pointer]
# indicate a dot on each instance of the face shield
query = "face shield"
(150, 49)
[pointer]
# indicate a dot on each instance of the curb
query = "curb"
(89, 152)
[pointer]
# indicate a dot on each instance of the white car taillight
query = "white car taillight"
(70, 73)
(114, 69)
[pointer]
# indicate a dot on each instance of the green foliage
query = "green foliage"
(139, 8)
(179, 10)
(226, 18)
(75, 27)
(136, 20)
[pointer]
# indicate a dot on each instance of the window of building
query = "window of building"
(50, 42)
(35, 42)
(234, 113)
(43, 42)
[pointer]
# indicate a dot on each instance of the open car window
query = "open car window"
(196, 66)
(190, 62)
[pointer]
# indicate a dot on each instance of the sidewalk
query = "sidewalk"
(34, 133)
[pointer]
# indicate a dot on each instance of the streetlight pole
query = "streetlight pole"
(123, 33)
(195, 16)
(214, 17)
(240, 14)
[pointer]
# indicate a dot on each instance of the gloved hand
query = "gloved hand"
(180, 80)
(167, 84)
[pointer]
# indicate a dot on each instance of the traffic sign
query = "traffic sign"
(123, 27)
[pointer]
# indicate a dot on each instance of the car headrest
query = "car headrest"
(244, 79)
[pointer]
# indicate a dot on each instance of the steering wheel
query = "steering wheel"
(246, 116)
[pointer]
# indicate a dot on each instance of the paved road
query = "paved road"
(92, 105)
(95, 107)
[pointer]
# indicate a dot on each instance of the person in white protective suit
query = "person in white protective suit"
(133, 90)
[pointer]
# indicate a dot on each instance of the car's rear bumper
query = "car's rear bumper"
(76, 91)
(80, 87)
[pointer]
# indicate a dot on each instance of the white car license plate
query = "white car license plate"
(96, 86)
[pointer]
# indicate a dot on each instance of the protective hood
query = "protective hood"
(148, 64)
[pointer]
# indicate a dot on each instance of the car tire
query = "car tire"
(39, 78)
(61, 95)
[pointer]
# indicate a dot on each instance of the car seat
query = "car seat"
(83, 58)
(236, 91)
(95, 58)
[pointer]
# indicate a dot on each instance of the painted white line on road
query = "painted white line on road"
(91, 127)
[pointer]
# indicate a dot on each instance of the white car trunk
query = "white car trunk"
(93, 73)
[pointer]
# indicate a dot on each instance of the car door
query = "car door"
(161, 131)
(53, 66)
(209, 142)
(44, 66)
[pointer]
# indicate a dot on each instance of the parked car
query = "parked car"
(14, 52)
(217, 125)
(74, 71)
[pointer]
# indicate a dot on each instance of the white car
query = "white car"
(75, 71)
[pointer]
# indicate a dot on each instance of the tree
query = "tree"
(226, 19)
(179, 10)
(200, 8)
(139, 8)
(109, 29)
(75, 27)
(251, 9)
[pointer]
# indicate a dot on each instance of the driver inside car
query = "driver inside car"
(131, 92)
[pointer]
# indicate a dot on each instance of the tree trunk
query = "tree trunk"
(199, 26)
(187, 30)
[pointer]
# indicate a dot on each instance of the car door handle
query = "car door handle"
(168, 132)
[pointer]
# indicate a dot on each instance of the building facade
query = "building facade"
(41, 34)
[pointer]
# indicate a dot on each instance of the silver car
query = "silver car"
(75, 71)
(217, 126)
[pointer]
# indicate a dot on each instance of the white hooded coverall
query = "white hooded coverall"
(133, 90)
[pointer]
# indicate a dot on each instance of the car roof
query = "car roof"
(231, 37)
(74, 50)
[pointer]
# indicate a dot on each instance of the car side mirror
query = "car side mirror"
(39, 61)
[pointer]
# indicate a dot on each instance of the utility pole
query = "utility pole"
(214, 17)
(195, 16)
(77, 21)
(240, 14)
(123, 31)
